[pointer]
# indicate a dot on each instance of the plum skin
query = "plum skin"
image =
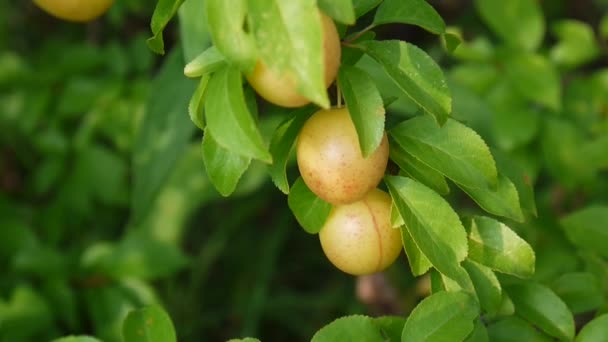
(281, 89)
(358, 238)
(330, 159)
(75, 10)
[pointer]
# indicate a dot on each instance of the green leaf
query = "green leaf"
(282, 143)
(226, 21)
(521, 180)
(246, 339)
(585, 228)
(415, 12)
(351, 55)
(390, 327)
(163, 12)
(310, 211)
(502, 201)
(364, 6)
(543, 308)
(419, 263)
(194, 33)
(364, 105)
(603, 27)
(25, 315)
(140, 256)
(224, 167)
(396, 219)
(514, 329)
(349, 328)
(479, 333)
(506, 306)
(454, 150)
(432, 224)
(443, 316)
(206, 62)
(149, 324)
(486, 285)
(577, 44)
(81, 338)
(563, 148)
(450, 41)
(534, 78)
(197, 102)
(415, 73)
(228, 118)
(289, 39)
(581, 291)
(163, 134)
(594, 331)
(517, 22)
(515, 123)
(462, 282)
(340, 10)
(493, 244)
(417, 170)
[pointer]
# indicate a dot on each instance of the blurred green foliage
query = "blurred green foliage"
(82, 243)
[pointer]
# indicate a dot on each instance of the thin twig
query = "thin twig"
(359, 34)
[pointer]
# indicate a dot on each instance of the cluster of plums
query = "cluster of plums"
(357, 236)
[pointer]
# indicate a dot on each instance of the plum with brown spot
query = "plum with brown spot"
(358, 238)
(331, 162)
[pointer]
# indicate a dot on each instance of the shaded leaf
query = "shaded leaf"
(224, 167)
(163, 12)
(577, 44)
(454, 150)
(542, 307)
(432, 224)
(364, 6)
(197, 103)
(163, 134)
(581, 291)
(418, 170)
(502, 201)
(594, 331)
(521, 180)
(514, 329)
(415, 73)
(225, 20)
(518, 22)
(443, 316)
(282, 143)
(149, 324)
(310, 211)
(340, 10)
(349, 328)
(80, 338)
(364, 105)
(586, 228)
(479, 333)
(493, 244)
(534, 78)
(206, 62)
(228, 118)
(419, 263)
(289, 39)
(390, 327)
(486, 285)
(415, 12)
(194, 33)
